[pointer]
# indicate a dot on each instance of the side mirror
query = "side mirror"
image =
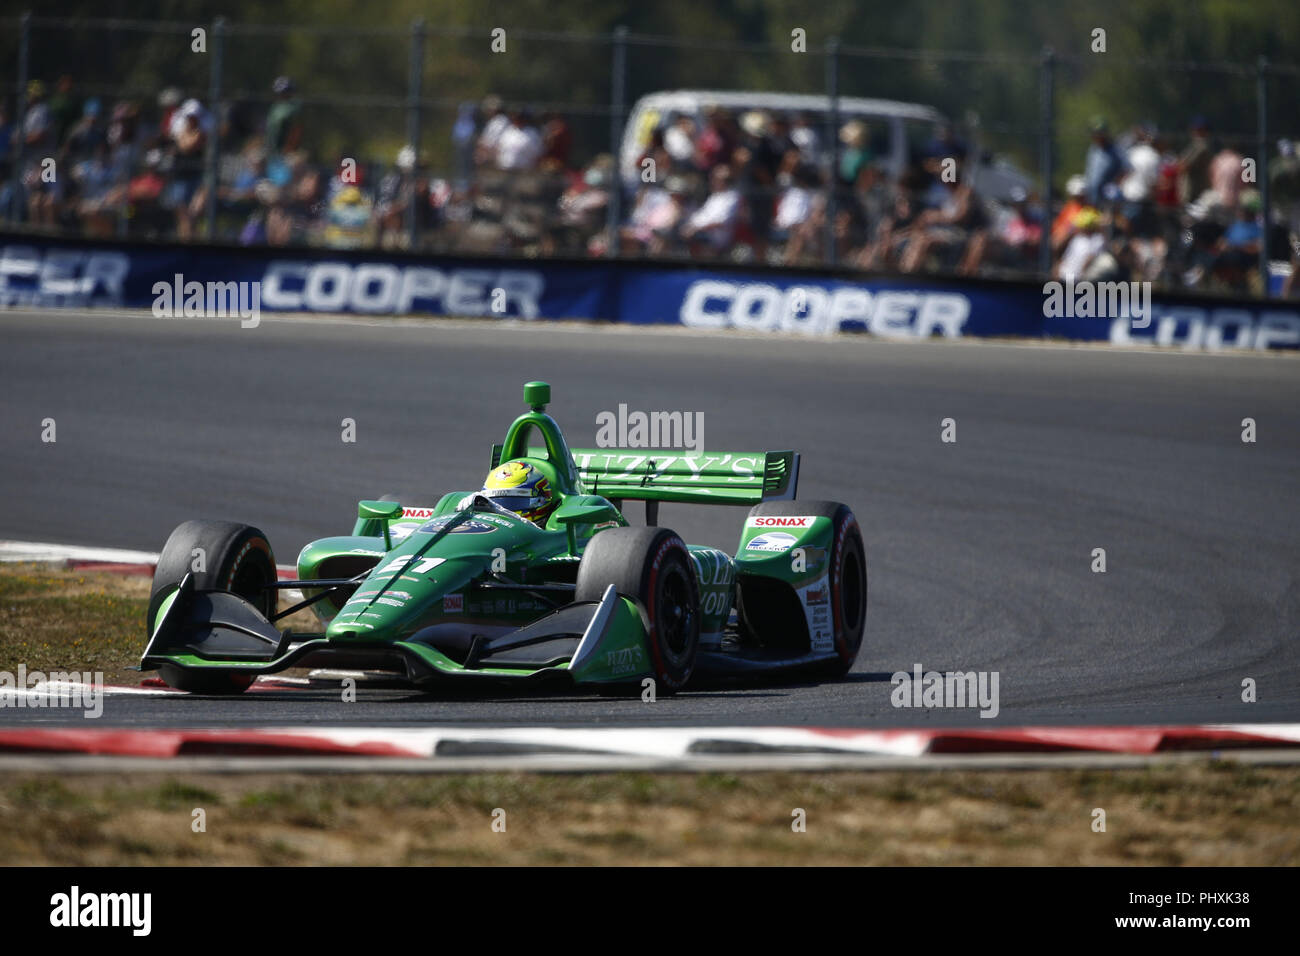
(585, 509)
(384, 511)
(371, 510)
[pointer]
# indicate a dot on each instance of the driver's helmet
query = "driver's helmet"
(522, 488)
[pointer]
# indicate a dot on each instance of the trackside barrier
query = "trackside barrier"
(38, 272)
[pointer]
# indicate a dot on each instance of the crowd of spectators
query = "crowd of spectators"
(752, 185)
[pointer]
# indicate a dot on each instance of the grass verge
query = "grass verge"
(54, 619)
(1196, 814)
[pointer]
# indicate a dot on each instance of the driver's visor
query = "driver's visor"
(512, 500)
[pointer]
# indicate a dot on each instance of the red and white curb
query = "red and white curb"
(651, 742)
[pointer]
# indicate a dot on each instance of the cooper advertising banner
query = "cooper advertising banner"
(43, 272)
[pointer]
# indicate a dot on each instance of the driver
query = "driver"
(522, 488)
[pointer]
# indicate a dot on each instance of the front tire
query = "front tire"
(236, 558)
(652, 566)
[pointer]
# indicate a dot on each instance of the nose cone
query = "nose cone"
(402, 596)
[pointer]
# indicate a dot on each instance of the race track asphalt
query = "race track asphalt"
(980, 551)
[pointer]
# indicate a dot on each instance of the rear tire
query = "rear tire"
(847, 577)
(236, 558)
(652, 566)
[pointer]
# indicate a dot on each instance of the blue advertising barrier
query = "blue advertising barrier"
(47, 272)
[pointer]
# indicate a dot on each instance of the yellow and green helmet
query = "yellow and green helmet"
(523, 488)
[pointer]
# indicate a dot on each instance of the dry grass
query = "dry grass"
(52, 619)
(1196, 814)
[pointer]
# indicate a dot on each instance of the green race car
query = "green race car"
(470, 590)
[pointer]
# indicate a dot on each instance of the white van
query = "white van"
(896, 130)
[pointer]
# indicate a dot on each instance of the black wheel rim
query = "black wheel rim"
(676, 616)
(250, 580)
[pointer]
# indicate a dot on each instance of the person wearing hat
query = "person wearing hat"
(38, 132)
(38, 142)
(1084, 247)
(1075, 202)
(856, 154)
(86, 135)
(756, 161)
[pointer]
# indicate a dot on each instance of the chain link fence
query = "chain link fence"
(533, 143)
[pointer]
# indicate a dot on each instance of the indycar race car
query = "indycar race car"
(468, 589)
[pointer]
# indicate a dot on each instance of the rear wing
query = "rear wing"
(707, 477)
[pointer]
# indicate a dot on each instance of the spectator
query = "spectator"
(169, 100)
(65, 107)
(96, 192)
(1138, 183)
(519, 146)
(1284, 184)
(712, 227)
(892, 235)
(396, 195)
(283, 119)
(1103, 165)
(1236, 264)
(856, 154)
(557, 143)
(947, 227)
(86, 136)
(189, 151)
(755, 162)
(462, 140)
(38, 143)
(778, 136)
(1194, 163)
(679, 140)
(1076, 187)
(655, 217)
(1013, 242)
(38, 131)
(1225, 178)
(715, 143)
(794, 207)
(945, 145)
(144, 193)
(1084, 248)
(804, 135)
(583, 206)
(495, 122)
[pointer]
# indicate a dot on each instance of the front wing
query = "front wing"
(209, 631)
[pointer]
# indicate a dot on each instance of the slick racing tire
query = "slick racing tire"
(847, 574)
(652, 566)
(236, 558)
